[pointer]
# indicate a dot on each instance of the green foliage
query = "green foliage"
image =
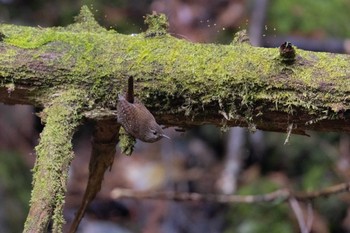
(259, 218)
(310, 161)
(330, 17)
(306, 164)
(15, 180)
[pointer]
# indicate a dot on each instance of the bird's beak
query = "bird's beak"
(165, 136)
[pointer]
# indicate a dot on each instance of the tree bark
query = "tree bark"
(104, 138)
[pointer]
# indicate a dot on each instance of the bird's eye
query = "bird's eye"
(154, 132)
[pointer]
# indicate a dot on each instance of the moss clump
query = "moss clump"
(85, 21)
(240, 37)
(126, 142)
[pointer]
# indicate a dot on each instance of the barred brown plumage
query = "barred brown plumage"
(136, 119)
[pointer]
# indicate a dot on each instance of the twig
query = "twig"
(310, 216)
(289, 131)
(303, 225)
(281, 195)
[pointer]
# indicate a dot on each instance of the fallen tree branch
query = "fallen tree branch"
(184, 84)
(281, 195)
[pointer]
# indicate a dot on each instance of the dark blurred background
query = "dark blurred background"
(205, 159)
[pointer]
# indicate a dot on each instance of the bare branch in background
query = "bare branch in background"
(281, 195)
(305, 222)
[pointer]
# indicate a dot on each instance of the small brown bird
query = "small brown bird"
(136, 119)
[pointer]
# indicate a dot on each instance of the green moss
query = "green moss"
(240, 37)
(58, 220)
(157, 24)
(241, 74)
(126, 142)
(85, 21)
(54, 154)
(29, 37)
(237, 76)
(82, 52)
(177, 76)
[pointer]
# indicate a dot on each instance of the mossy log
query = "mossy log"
(184, 84)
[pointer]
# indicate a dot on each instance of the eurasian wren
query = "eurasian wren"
(136, 119)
